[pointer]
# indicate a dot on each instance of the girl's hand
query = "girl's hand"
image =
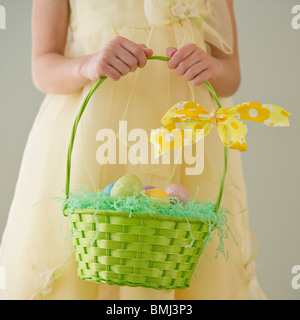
(119, 57)
(194, 64)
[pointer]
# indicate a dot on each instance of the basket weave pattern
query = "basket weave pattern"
(152, 251)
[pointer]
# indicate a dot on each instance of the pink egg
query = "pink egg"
(178, 191)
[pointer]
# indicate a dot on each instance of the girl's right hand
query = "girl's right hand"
(117, 58)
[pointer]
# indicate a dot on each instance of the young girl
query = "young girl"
(113, 38)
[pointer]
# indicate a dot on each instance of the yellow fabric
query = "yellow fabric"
(36, 248)
(187, 122)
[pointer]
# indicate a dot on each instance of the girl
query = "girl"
(113, 38)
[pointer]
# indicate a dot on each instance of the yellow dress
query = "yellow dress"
(36, 250)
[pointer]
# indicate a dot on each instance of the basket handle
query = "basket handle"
(82, 109)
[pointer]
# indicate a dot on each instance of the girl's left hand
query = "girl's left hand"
(194, 64)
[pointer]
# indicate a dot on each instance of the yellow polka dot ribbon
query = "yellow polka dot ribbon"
(187, 122)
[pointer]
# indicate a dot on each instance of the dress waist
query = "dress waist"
(97, 22)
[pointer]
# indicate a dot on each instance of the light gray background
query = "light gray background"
(269, 50)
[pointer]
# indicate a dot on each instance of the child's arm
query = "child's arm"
(53, 73)
(220, 69)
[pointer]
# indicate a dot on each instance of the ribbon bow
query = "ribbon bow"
(187, 122)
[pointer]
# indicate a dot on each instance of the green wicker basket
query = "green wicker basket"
(136, 249)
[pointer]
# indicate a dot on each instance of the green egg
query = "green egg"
(126, 186)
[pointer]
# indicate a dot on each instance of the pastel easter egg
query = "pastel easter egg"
(148, 187)
(178, 191)
(157, 194)
(126, 186)
(108, 188)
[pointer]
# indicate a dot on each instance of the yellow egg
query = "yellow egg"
(126, 186)
(158, 195)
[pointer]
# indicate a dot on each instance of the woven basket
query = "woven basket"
(136, 249)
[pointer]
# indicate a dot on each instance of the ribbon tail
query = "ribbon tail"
(232, 133)
(267, 114)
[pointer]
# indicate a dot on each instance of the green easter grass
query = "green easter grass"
(141, 203)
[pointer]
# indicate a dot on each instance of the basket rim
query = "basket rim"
(146, 215)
